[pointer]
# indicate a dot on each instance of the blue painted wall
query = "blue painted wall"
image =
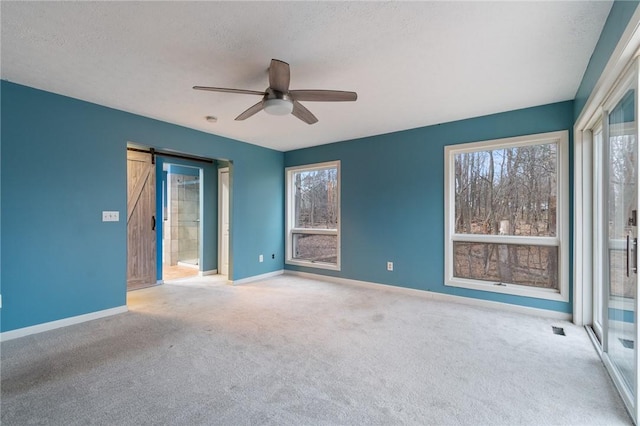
(619, 16)
(392, 194)
(63, 162)
(209, 218)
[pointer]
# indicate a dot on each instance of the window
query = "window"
(313, 215)
(506, 220)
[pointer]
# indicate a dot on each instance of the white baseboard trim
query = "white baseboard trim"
(47, 326)
(188, 265)
(205, 273)
(257, 277)
(440, 296)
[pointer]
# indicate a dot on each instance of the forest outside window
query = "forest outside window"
(313, 215)
(506, 221)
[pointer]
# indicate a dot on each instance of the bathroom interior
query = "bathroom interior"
(181, 221)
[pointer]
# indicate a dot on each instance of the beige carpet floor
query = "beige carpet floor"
(294, 351)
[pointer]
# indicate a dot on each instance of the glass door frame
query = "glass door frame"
(601, 287)
(598, 322)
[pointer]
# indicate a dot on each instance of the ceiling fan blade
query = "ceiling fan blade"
(279, 76)
(250, 111)
(323, 95)
(222, 89)
(303, 114)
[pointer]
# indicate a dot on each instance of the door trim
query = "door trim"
(220, 172)
(620, 60)
(603, 99)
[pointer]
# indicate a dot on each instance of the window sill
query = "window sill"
(309, 264)
(512, 289)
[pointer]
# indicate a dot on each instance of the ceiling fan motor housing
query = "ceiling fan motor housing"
(277, 103)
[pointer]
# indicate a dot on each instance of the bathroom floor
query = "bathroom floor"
(176, 271)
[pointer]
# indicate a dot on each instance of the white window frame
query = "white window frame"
(561, 240)
(596, 218)
(290, 217)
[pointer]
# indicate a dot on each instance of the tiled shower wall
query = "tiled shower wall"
(183, 225)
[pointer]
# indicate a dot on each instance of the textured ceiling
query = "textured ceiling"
(412, 64)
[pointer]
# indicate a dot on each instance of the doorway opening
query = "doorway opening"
(190, 238)
(181, 212)
(174, 219)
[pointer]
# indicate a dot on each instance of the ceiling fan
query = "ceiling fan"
(279, 100)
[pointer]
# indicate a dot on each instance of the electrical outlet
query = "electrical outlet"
(110, 216)
(273, 256)
(389, 266)
(261, 258)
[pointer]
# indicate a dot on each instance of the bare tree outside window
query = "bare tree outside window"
(316, 201)
(622, 200)
(509, 191)
(483, 261)
(317, 248)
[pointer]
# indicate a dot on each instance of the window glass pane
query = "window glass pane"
(315, 248)
(620, 285)
(622, 193)
(316, 198)
(535, 266)
(507, 191)
(621, 174)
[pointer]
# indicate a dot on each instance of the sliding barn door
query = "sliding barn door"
(141, 220)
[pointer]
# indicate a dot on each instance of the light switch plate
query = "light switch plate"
(110, 216)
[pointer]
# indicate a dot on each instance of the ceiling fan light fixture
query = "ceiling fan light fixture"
(278, 106)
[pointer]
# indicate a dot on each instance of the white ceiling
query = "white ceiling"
(412, 64)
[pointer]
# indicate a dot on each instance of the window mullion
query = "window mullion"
(312, 231)
(507, 239)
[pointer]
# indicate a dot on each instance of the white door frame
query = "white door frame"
(220, 215)
(620, 60)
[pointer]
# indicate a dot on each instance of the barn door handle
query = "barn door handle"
(153, 223)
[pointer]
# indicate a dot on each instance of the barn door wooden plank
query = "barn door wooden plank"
(141, 235)
(138, 187)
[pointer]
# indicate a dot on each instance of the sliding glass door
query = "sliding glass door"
(615, 220)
